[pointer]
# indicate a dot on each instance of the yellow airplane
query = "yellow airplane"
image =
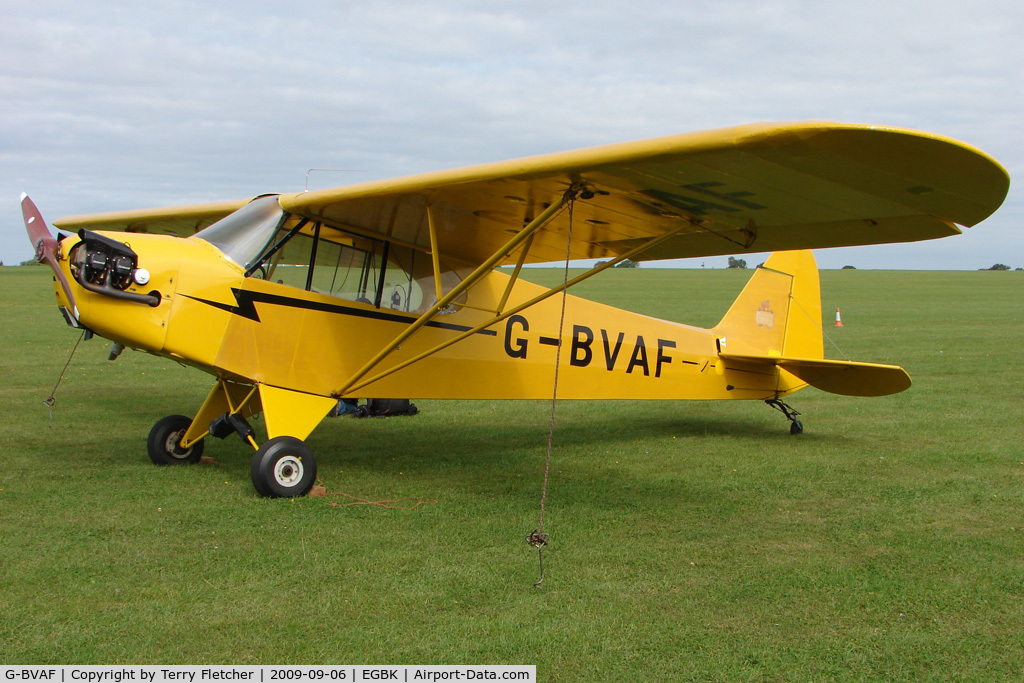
(393, 288)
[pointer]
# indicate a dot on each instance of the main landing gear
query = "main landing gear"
(795, 426)
(283, 467)
(164, 443)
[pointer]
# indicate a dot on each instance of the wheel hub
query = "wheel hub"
(173, 444)
(288, 470)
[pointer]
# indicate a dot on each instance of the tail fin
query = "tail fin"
(778, 313)
(776, 322)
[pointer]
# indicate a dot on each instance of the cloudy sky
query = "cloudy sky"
(115, 105)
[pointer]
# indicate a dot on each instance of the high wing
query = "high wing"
(755, 188)
(173, 220)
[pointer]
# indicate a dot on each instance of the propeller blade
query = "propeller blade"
(46, 245)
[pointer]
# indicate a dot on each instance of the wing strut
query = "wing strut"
(484, 268)
(515, 275)
(354, 386)
(435, 255)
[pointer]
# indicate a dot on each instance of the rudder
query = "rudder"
(778, 312)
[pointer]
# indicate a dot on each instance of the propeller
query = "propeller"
(45, 245)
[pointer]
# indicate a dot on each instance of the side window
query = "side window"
(332, 262)
(348, 268)
(404, 283)
(287, 259)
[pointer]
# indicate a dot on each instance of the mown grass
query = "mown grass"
(690, 541)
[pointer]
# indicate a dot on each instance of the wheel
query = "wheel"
(796, 427)
(165, 439)
(283, 467)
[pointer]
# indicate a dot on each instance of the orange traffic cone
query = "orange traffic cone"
(839, 320)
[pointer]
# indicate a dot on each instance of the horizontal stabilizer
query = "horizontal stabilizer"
(844, 377)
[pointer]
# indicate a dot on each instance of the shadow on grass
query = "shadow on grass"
(416, 436)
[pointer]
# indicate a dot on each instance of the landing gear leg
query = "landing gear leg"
(795, 426)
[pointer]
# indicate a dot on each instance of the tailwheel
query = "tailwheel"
(283, 467)
(164, 443)
(795, 426)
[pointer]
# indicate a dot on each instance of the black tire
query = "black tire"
(164, 442)
(796, 427)
(283, 467)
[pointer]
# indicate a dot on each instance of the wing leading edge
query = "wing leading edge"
(755, 188)
(174, 220)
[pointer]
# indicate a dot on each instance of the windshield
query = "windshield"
(242, 235)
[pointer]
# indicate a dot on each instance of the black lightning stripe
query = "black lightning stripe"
(246, 300)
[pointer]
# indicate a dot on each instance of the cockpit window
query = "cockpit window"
(243, 235)
(273, 245)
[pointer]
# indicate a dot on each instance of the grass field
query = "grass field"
(690, 541)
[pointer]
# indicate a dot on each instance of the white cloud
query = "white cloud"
(107, 105)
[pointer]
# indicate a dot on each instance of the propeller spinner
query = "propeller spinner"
(46, 246)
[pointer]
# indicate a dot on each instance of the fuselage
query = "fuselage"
(257, 330)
